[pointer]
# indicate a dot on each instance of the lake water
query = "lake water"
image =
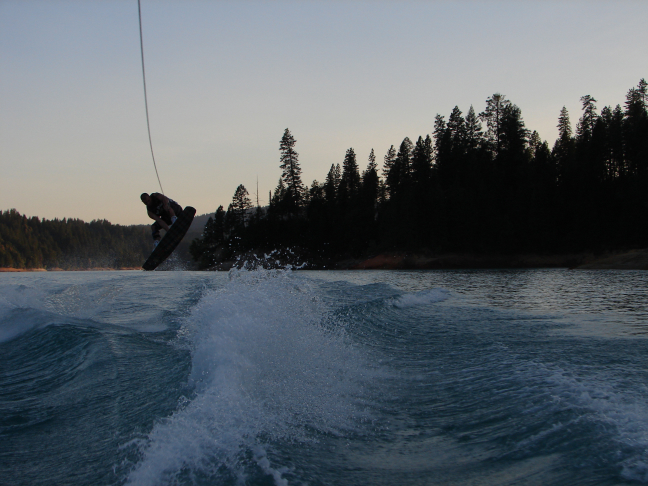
(512, 377)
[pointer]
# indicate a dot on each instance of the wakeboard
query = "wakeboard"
(171, 239)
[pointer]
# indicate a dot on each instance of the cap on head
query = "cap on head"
(144, 197)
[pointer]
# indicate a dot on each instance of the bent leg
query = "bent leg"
(155, 231)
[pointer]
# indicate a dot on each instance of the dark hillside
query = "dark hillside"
(69, 244)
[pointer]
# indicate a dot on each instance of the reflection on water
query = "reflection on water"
(596, 302)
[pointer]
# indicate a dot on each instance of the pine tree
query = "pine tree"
(422, 161)
(563, 150)
(564, 125)
(215, 233)
(372, 162)
(513, 133)
(455, 139)
(637, 98)
(279, 194)
(443, 163)
(389, 160)
(585, 126)
(457, 128)
(338, 175)
(398, 177)
(616, 162)
(420, 198)
(316, 192)
(599, 163)
(331, 185)
(493, 116)
(239, 207)
(291, 174)
(534, 142)
(370, 182)
(350, 180)
(241, 200)
(474, 133)
(368, 201)
(635, 131)
(439, 134)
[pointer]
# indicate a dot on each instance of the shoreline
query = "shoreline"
(636, 259)
(94, 269)
(621, 260)
(10, 269)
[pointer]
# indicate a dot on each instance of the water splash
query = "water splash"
(264, 369)
(423, 297)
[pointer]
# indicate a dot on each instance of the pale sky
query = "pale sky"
(225, 78)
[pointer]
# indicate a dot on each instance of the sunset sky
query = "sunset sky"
(225, 78)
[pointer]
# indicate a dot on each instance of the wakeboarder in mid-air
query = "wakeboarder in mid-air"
(163, 210)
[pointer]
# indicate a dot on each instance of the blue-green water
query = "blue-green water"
(529, 377)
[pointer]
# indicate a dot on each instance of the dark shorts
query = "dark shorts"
(156, 227)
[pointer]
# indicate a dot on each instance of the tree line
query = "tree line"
(69, 244)
(480, 183)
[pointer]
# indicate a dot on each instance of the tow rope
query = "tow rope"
(148, 124)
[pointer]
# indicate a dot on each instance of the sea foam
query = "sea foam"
(264, 369)
(423, 297)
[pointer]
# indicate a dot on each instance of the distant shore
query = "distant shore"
(9, 269)
(98, 269)
(630, 260)
(622, 260)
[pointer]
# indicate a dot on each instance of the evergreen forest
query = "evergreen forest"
(481, 183)
(70, 244)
